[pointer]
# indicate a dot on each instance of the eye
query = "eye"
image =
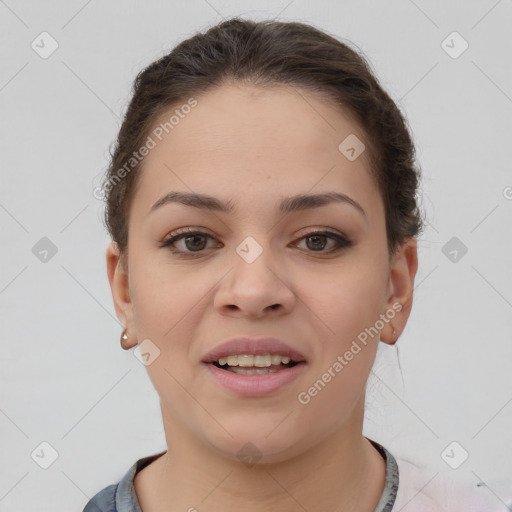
(193, 241)
(316, 241)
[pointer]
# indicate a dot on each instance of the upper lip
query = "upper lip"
(254, 346)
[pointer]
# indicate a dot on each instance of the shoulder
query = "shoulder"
(423, 490)
(103, 501)
(120, 497)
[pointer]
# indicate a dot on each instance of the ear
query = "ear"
(117, 271)
(403, 269)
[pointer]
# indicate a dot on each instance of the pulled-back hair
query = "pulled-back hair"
(268, 53)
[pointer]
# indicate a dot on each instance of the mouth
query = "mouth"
(253, 367)
(255, 381)
(245, 352)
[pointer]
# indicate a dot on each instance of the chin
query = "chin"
(258, 449)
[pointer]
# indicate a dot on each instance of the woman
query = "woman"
(261, 200)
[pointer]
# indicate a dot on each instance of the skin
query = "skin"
(255, 146)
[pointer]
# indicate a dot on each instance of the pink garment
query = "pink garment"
(420, 491)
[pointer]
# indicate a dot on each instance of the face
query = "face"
(315, 277)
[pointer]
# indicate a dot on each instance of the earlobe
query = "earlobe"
(402, 273)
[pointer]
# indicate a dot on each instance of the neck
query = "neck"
(342, 472)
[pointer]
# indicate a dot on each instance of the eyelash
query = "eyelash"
(342, 241)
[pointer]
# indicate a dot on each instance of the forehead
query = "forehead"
(237, 138)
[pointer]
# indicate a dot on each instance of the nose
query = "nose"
(254, 289)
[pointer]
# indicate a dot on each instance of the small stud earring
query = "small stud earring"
(124, 337)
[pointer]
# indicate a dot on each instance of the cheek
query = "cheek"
(166, 312)
(344, 306)
(344, 301)
(161, 294)
(166, 309)
(342, 309)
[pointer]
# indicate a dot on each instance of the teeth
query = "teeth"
(252, 371)
(260, 361)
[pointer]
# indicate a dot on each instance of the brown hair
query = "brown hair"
(270, 53)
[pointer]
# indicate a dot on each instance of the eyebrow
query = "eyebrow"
(287, 205)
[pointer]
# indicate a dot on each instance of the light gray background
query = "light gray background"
(65, 379)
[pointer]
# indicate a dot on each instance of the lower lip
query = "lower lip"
(255, 385)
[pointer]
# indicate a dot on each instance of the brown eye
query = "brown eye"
(192, 242)
(318, 240)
